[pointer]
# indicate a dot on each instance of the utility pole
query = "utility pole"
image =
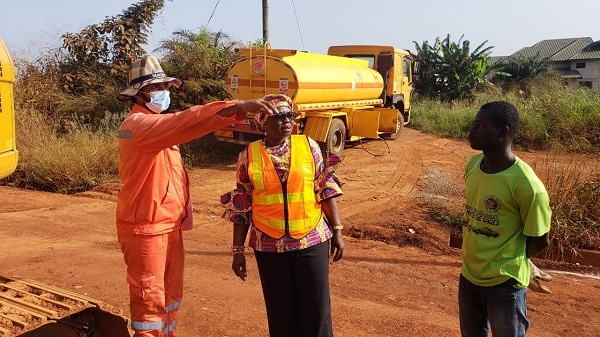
(265, 18)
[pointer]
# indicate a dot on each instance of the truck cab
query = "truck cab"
(395, 66)
(8, 151)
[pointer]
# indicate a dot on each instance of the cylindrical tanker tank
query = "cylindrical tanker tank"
(305, 77)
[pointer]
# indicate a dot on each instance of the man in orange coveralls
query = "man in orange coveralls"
(155, 199)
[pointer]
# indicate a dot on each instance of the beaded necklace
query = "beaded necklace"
(280, 156)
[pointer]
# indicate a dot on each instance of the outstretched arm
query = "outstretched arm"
(154, 132)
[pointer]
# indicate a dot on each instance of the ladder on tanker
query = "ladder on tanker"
(258, 70)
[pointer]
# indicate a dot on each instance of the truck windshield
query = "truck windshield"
(369, 58)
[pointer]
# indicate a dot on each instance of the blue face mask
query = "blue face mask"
(159, 101)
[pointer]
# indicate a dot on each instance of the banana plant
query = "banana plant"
(450, 70)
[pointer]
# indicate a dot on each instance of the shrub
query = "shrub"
(208, 150)
(201, 60)
(575, 202)
(67, 163)
(520, 70)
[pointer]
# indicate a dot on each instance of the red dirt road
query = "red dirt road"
(405, 286)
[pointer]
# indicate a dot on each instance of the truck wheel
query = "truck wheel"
(399, 126)
(336, 138)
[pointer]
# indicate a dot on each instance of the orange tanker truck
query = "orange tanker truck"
(353, 92)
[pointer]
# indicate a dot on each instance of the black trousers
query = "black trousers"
(296, 290)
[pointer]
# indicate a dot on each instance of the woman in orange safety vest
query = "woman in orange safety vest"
(155, 200)
(285, 196)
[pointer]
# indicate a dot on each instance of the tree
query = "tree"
(79, 83)
(449, 70)
(202, 60)
(520, 69)
(109, 46)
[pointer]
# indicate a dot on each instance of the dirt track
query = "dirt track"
(378, 289)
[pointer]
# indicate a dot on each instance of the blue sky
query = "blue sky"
(32, 26)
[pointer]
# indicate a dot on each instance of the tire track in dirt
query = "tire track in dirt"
(383, 200)
(374, 182)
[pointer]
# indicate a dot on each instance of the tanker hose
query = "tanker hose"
(376, 154)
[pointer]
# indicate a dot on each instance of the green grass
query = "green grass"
(552, 118)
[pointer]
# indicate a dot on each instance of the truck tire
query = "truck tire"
(399, 127)
(336, 137)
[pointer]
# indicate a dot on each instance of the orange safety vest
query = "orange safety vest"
(292, 207)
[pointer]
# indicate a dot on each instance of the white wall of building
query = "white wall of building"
(591, 72)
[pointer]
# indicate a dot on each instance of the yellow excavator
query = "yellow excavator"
(30, 308)
(8, 151)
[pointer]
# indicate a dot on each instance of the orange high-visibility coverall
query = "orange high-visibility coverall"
(151, 206)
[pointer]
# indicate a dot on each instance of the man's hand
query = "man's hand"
(337, 246)
(239, 266)
(262, 105)
(536, 275)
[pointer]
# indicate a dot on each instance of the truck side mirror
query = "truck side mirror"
(415, 69)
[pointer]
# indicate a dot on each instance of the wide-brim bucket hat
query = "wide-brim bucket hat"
(146, 70)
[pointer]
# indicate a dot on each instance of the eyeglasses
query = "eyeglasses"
(283, 116)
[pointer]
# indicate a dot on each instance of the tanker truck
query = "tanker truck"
(29, 308)
(353, 92)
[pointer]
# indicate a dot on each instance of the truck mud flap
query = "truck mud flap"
(317, 126)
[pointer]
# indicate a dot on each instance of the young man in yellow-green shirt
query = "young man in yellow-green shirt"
(508, 213)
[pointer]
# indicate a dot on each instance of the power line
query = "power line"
(213, 13)
(298, 24)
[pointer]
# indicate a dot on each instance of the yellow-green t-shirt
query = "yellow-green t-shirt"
(502, 209)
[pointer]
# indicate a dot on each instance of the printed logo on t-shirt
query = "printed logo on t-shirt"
(479, 215)
(483, 218)
(492, 203)
(490, 233)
